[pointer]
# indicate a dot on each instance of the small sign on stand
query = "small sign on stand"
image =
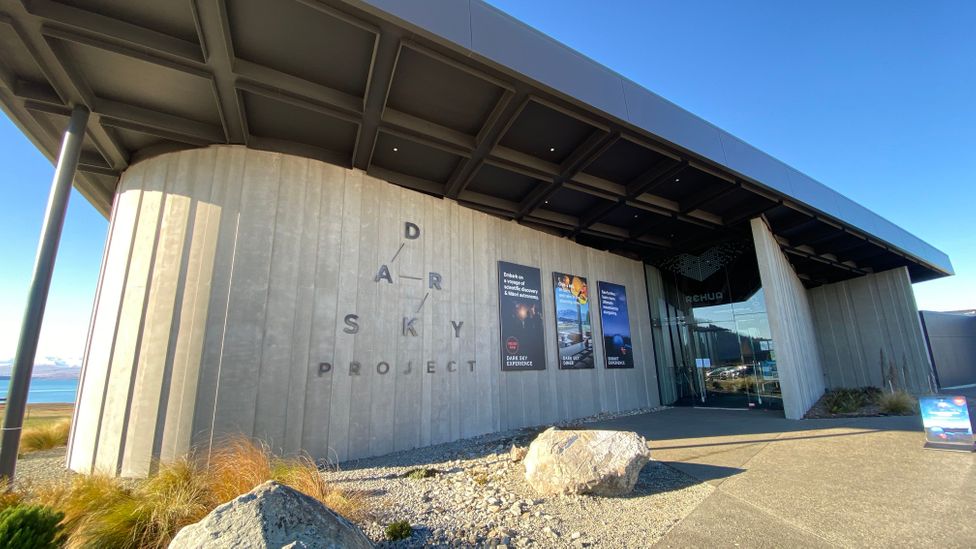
(946, 421)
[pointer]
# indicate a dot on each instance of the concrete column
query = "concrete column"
(791, 323)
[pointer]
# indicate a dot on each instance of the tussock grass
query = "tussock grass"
(8, 497)
(238, 464)
(897, 403)
(102, 511)
(45, 436)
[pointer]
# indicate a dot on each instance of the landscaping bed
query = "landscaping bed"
(862, 402)
(471, 492)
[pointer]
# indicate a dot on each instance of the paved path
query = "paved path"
(864, 482)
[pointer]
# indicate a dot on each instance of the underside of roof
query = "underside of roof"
(453, 99)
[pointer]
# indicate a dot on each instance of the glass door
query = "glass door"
(733, 355)
(715, 348)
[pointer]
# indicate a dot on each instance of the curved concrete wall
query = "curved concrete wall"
(227, 282)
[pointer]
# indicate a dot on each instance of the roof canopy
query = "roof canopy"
(449, 98)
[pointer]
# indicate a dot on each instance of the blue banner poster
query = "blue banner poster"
(520, 317)
(574, 334)
(946, 421)
(615, 321)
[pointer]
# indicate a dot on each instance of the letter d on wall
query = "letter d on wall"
(411, 231)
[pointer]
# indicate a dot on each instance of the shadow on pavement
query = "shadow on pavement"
(739, 442)
(684, 423)
(703, 472)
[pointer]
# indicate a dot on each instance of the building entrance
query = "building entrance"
(713, 344)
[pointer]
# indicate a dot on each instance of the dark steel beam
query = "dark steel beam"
(424, 131)
(592, 147)
(502, 117)
(644, 183)
(597, 214)
(802, 222)
(750, 213)
(382, 69)
(275, 84)
(63, 88)
(183, 130)
(115, 30)
(831, 234)
(705, 197)
(214, 30)
(824, 260)
(655, 177)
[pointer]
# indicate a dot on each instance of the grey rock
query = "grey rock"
(517, 453)
(271, 515)
(603, 463)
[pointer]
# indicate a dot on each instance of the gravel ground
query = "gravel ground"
(478, 497)
(41, 467)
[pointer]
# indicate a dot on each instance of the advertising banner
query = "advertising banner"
(946, 421)
(574, 335)
(615, 322)
(520, 317)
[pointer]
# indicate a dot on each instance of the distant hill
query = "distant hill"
(47, 367)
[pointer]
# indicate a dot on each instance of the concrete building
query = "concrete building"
(356, 227)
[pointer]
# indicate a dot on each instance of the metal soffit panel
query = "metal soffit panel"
(449, 98)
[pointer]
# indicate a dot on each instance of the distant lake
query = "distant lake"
(45, 390)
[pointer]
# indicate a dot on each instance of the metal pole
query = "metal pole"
(47, 251)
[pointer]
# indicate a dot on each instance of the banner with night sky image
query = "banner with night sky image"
(616, 325)
(520, 316)
(574, 335)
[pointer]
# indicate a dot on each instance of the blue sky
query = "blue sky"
(876, 102)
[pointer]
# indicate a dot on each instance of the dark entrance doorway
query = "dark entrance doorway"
(713, 345)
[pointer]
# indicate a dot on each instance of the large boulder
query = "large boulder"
(603, 463)
(271, 516)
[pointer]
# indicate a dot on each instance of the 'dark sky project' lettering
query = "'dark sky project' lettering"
(410, 325)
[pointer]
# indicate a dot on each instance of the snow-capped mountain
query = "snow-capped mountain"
(49, 367)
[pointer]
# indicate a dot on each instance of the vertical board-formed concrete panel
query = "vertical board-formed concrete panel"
(91, 390)
(791, 322)
(866, 319)
(952, 339)
(241, 296)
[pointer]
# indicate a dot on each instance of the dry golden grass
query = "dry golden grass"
(8, 498)
(897, 403)
(102, 511)
(239, 464)
(45, 436)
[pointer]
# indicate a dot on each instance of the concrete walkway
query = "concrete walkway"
(863, 482)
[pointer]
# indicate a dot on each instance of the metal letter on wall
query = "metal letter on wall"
(520, 317)
(615, 322)
(574, 334)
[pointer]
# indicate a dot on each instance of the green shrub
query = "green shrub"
(844, 401)
(897, 403)
(870, 394)
(398, 530)
(421, 473)
(30, 527)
